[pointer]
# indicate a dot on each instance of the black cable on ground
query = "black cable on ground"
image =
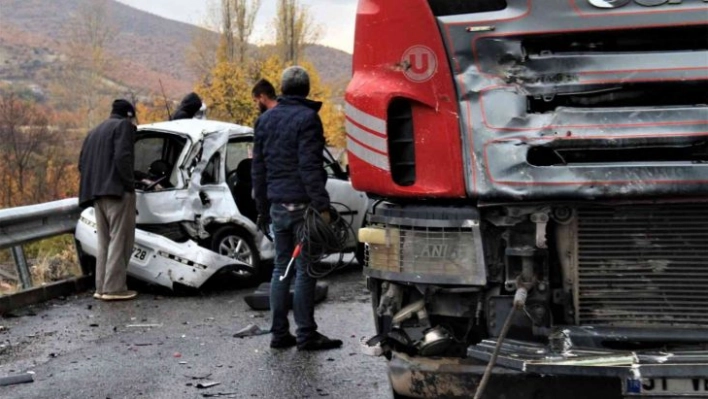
(320, 239)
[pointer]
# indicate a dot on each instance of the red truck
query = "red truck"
(538, 171)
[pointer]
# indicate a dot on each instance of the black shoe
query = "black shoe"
(319, 342)
(287, 341)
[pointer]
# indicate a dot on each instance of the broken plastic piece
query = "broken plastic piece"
(372, 346)
(250, 331)
(207, 384)
(16, 379)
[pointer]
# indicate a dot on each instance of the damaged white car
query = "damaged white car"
(195, 212)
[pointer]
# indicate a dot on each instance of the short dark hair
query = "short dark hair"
(263, 86)
(295, 82)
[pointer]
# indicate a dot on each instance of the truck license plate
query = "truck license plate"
(668, 387)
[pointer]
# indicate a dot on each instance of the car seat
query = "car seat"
(160, 169)
(243, 191)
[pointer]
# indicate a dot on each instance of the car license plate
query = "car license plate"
(140, 254)
(668, 387)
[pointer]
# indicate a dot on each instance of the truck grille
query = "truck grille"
(444, 256)
(643, 265)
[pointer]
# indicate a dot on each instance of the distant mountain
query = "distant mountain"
(146, 48)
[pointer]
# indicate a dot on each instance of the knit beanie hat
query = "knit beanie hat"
(123, 108)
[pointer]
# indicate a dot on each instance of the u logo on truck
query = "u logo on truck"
(420, 63)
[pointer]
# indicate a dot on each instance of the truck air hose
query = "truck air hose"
(320, 239)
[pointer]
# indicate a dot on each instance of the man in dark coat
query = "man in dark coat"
(288, 176)
(188, 108)
(107, 184)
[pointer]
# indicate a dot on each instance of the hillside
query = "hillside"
(146, 48)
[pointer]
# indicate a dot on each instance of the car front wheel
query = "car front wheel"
(236, 243)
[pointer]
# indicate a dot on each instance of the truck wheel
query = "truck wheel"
(237, 243)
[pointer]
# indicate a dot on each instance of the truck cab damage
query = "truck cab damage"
(540, 171)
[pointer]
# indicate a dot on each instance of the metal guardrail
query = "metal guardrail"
(22, 225)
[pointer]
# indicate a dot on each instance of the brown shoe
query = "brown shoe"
(119, 296)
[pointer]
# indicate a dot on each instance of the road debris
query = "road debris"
(16, 379)
(143, 325)
(220, 395)
(196, 377)
(207, 384)
(250, 331)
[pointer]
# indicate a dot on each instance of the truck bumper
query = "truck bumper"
(420, 377)
(527, 370)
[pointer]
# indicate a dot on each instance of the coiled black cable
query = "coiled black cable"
(320, 239)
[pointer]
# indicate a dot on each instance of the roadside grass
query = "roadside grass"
(49, 260)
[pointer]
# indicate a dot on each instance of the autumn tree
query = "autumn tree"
(227, 87)
(153, 109)
(295, 29)
(234, 21)
(34, 153)
(237, 18)
(90, 32)
(228, 94)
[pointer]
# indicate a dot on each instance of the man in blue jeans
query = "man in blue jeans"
(288, 176)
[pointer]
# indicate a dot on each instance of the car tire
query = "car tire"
(86, 261)
(237, 243)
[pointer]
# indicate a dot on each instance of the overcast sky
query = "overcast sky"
(335, 16)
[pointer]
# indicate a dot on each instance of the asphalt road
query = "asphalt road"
(163, 346)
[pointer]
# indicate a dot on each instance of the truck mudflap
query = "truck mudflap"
(642, 373)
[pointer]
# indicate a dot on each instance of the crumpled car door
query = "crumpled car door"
(210, 198)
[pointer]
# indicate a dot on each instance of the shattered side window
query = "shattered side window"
(148, 150)
(210, 175)
(236, 152)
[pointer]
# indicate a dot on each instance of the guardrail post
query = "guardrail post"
(23, 272)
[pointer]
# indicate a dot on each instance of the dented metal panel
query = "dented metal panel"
(540, 79)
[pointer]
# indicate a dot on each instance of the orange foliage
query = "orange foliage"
(38, 155)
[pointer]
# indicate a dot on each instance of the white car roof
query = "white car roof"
(196, 128)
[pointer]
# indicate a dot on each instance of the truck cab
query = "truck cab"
(539, 177)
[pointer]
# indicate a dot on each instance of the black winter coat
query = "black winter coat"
(288, 160)
(190, 105)
(106, 161)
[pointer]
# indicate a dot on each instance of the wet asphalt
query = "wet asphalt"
(162, 346)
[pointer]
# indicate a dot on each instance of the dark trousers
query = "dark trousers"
(285, 224)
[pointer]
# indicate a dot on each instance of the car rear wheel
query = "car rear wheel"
(237, 243)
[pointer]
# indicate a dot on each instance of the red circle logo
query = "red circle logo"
(420, 63)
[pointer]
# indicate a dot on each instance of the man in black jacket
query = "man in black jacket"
(188, 108)
(288, 176)
(107, 184)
